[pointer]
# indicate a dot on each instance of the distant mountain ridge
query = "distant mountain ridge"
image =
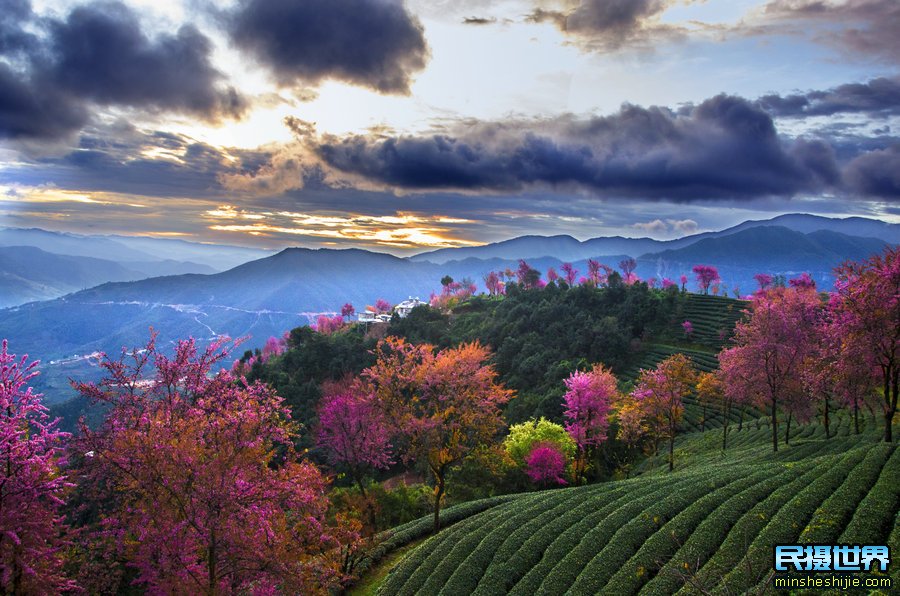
(567, 248)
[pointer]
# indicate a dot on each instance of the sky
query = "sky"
(403, 126)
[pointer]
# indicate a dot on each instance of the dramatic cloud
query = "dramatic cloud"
(99, 56)
(372, 43)
(878, 97)
(725, 147)
(866, 27)
(876, 173)
(607, 23)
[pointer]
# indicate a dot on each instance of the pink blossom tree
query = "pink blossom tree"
(546, 464)
(667, 283)
(658, 396)
(383, 306)
(683, 279)
(688, 328)
(527, 276)
(587, 403)
(203, 483)
(866, 313)
(32, 486)
(627, 266)
(803, 282)
(706, 275)
(493, 283)
(571, 274)
(353, 433)
(771, 347)
(552, 275)
(764, 280)
(347, 311)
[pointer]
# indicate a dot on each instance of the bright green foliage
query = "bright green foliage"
(522, 437)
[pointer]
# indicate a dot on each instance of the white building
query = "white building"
(403, 309)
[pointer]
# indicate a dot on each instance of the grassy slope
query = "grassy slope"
(710, 525)
(713, 522)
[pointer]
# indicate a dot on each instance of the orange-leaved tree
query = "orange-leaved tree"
(441, 406)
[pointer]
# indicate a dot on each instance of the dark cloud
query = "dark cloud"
(725, 147)
(373, 43)
(28, 110)
(478, 21)
(99, 56)
(13, 38)
(866, 27)
(878, 97)
(876, 173)
(607, 23)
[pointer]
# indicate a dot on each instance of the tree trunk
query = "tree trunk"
(856, 416)
(725, 436)
(741, 421)
(703, 420)
(827, 420)
(787, 432)
(774, 426)
(438, 495)
(671, 450)
(211, 563)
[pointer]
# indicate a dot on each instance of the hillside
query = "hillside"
(29, 274)
(709, 526)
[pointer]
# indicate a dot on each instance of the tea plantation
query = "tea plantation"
(709, 527)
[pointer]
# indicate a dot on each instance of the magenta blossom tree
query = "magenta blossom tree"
(571, 273)
(706, 276)
(347, 310)
(552, 275)
(688, 328)
(546, 464)
(803, 282)
(201, 480)
(587, 402)
(383, 306)
(764, 280)
(354, 434)
(32, 486)
(683, 279)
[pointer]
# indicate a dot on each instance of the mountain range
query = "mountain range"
(265, 297)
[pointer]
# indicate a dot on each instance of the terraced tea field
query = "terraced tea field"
(707, 527)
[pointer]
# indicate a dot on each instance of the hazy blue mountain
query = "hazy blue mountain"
(28, 273)
(768, 249)
(567, 248)
(270, 295)
(133, 249)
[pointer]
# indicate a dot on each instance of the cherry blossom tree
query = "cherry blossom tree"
(683, 279)
(347, 311)
(711, 393)
(627, 266)
(688, 328)
(527, 276)
(32, 485)
(658, 394)
(383, 306)
(552, 275)
(706, 275)
(204, 486)
(764, 280)
(443, 406)
(546, 464)
(353, 433)
(770, 348)
(571, 274)
(493, 283)
(804, 282)
(667, 283)
(866, 313)
(587, 402)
